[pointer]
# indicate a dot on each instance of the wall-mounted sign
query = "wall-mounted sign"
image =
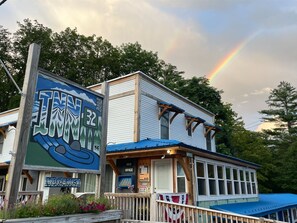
(62, 182)
(66, 127)
(129, 170)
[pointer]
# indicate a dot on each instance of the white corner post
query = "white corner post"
(23, 127)
(99, 190)
(153, 208)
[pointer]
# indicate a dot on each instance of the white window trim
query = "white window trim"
(226, 195)
(186, 182)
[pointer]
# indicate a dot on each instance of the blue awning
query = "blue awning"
(151, 144)
(267, 204)
(142, 145)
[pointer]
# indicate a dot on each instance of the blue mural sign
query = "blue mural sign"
(66, 126)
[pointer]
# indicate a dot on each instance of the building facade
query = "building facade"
(157, 142)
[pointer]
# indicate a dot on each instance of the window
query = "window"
(272, 216)
(221, 180)
(23, 183)
(108, 179)
(229, 180)
(1, 143)
(201, 178)
(88, 182)
(181, 179)
(2, 183)
(211, 179)
(208, 141)
(189, 127)
(248, 182)
(253, 179)
(164, 122)
(214, 178)
(236, 181)
(242, 182)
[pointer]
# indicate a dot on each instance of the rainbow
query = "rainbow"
(228, 58)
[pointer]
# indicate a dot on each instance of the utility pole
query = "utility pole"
(99, 191)
(23, 127)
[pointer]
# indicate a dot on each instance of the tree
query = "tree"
(252, 146)
(133, 58)
(287, 178)
(7, 87)
(282, 110)
(281, 140)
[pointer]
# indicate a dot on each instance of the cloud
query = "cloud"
(265, 126)
(193, 35)
(265, 90)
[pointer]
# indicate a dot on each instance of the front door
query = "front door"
(162, 176)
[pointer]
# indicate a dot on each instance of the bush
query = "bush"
(61, 205)
(57, 205)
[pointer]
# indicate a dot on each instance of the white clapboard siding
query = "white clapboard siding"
(152, 92)
(10, 116)
(169, 97)
(149, 122)
(7, 144)
(121, 87)
(121, 120)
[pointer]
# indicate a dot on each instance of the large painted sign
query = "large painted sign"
(66, 126)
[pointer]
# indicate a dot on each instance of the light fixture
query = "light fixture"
(162, 157)
(168, 151)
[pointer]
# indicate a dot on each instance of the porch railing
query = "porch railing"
(135, 206)
(143, 207)
(173, 212)
(24, 197)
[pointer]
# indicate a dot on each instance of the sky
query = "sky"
(245, 47)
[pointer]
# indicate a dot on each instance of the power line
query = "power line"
(2, 2)
(10, 76)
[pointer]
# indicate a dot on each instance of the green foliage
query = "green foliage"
(61, 205)
(282, 104)
(281, 140)
(56, 205)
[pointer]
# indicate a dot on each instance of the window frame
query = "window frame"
(177, 164)
(2, 185)
(228, 179)
(165, 126)
(208, 141)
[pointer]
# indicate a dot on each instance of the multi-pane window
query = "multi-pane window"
(164, 122)
(200, 170)
(242, 182)
(211, 179)
(254, 186)
(229, 180)
(248, 182)
(217, 179)
(236, 181)
(181, 179)
(221, 180)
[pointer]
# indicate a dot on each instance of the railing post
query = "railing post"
(153, 208)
